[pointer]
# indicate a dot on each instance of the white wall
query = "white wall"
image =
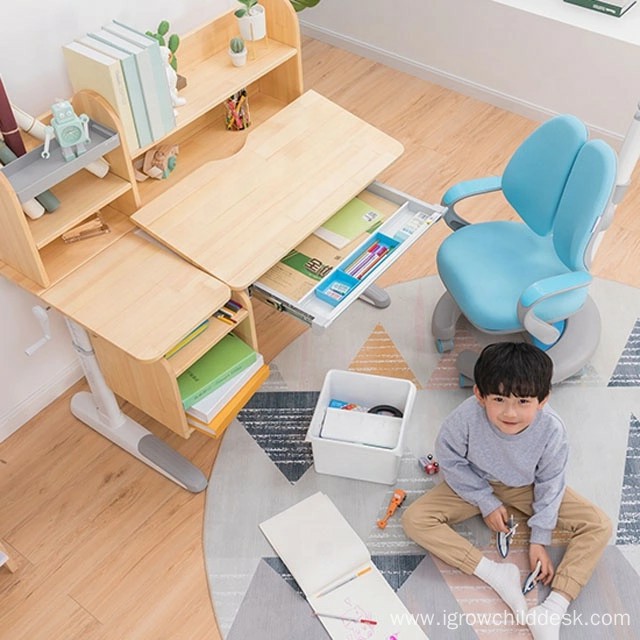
(518, 59)
(33, 73)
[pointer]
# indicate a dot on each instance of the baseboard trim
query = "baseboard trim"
(39, 399)
(443, 78)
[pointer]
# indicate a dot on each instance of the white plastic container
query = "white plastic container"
(370, 448)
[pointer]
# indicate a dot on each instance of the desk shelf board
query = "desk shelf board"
(80, 197)
(215, 331)
(207, 139)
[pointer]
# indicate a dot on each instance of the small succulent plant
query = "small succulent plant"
(172, 42)
(236, 45)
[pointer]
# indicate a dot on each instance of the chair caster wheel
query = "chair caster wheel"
(464, 382)
(442, 346)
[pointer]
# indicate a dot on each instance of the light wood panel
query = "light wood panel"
(107, 549)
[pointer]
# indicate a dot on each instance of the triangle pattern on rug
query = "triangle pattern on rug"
(397, 568)
(281, 569)
(629, 515)
(380, 356)
(627, 371)
(278, 421)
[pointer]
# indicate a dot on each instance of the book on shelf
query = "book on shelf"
(205, 410)
(148, 86)
(224, 360)
(132, 82)
(155, 69)
(187, 339)
(90, 69)
(611, 7)
(348, 223)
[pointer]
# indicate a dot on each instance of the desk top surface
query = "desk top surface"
(138, 296)
(237, 217)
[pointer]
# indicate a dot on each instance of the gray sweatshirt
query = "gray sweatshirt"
(472, 452)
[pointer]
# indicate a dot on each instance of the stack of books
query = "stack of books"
(611, 7)
(227, 358)
(204, 414)
(125, 67)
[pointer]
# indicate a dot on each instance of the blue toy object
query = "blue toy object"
(532, 276)
(69, 129)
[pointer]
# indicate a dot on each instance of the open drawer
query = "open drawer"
(323, 288)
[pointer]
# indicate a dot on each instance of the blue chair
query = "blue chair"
(532, 276)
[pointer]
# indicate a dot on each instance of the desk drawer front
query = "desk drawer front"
(406, 219)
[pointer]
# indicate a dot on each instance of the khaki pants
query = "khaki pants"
(427, 521)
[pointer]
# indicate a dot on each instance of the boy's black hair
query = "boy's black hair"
(513, 368)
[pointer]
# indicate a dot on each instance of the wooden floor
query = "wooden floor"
(108, 549)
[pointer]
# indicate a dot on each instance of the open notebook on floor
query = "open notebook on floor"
(334, 570)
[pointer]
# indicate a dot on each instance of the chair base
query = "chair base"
(569, 354)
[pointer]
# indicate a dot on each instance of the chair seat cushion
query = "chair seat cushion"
(503, 259)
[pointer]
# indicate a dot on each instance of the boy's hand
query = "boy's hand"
(497, 519)
(538, 552)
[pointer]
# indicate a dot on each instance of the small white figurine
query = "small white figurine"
(172, 79)
(69, 129)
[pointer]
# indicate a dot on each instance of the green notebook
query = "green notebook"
(224, 360)
(354, 218)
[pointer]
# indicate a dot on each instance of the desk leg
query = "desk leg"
(375, 296)
(99, 409)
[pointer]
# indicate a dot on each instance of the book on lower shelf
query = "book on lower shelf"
(223, 361)
(611, 7)
(205, 410)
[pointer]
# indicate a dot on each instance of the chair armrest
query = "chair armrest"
(463, 190)
(543, 290)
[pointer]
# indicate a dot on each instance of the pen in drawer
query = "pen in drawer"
(222, 318)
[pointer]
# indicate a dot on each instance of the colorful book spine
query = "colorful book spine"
(187, 339)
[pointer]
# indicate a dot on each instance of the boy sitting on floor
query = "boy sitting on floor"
(505, 447)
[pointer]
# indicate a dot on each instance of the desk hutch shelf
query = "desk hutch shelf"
(84, 280)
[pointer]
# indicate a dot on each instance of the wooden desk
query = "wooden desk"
(236, 218)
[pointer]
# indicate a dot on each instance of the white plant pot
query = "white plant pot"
(238, 59)
(253, 26)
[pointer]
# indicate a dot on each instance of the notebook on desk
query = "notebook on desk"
(333, 567)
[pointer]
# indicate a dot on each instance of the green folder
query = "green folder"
(354, 218)
(222, 362)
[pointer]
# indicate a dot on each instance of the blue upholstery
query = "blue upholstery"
(559, 183)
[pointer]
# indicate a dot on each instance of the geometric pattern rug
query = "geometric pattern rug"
(264, 466)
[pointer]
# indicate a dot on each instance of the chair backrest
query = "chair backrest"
(537, 173)
(583, 202)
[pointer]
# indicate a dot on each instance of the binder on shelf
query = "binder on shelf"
(224, 360)
(610, 7)
(90, 69)
(132, 81)
(157, 65)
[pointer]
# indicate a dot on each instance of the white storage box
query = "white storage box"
(353, 444)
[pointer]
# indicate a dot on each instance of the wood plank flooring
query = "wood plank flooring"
(107, 549)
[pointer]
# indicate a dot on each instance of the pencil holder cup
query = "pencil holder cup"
(237, 115)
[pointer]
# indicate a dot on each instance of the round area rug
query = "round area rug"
(264, 466)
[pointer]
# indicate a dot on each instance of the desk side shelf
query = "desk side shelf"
(81, 195)
(152, 386)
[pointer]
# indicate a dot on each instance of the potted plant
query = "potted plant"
(299, 5)
(237, 51)
(251, 20)
(172, 43)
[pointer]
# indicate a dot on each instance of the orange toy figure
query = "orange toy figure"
(397, 499)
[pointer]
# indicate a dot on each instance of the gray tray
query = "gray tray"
(31, 174)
